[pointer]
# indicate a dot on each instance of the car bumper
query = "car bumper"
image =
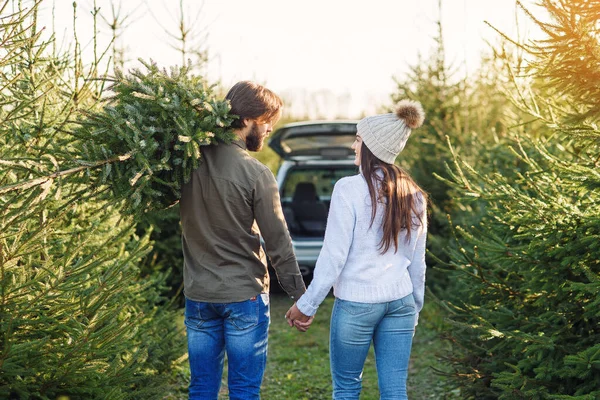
(307, 253)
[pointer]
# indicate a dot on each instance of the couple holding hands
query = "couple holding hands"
(373, 256)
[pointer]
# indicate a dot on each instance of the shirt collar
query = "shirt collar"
(240, 143)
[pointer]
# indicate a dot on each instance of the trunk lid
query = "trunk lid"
(319, 139)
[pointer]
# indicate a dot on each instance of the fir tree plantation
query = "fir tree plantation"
(88, 167)
(521, 191)
(530, 265)
(76, 316)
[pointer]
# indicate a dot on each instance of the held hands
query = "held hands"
(295, 318)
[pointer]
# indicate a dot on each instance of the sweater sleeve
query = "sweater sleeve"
(417, 266)
(336, 246)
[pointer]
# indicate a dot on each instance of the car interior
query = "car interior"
(309, 212)
(306, 196)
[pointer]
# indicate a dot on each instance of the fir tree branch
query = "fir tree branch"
(42, 180)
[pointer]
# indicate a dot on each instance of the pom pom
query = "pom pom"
(411, 112)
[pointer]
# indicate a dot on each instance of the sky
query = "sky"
(326, 58)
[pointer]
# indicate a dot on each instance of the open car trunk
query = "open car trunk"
(306, 197)
(320, 153)
(316, 155)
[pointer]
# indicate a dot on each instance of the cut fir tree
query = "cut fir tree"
(150, 132)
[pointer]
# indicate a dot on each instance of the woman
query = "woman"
(374, 257)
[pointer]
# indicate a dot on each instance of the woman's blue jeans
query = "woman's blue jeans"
(353, 326)
(240, 329)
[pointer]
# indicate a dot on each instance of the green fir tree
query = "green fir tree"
(77, 174)
(526, 316)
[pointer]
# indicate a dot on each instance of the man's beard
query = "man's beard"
(254, 140)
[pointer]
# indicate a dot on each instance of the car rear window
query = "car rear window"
(322, 177)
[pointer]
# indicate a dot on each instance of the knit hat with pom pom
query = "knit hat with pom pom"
(386, 134)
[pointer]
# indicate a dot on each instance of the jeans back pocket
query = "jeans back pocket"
(355, 308)
(245, 314)
(193, 313)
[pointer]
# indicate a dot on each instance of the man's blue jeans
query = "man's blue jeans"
(353, 326)
(240, 329)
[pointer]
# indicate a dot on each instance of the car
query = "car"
(316, 154)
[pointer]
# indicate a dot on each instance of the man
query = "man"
(226, 283)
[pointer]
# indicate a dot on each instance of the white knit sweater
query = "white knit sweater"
(351, 261)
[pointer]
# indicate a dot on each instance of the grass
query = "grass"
(298, 366)
(298, 363)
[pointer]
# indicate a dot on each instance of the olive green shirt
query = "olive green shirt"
(229, 197)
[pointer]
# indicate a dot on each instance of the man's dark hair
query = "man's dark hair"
(253, 101)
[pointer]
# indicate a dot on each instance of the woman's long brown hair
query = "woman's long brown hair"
(397, 192)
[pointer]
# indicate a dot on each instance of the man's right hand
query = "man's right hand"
(297, 319)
